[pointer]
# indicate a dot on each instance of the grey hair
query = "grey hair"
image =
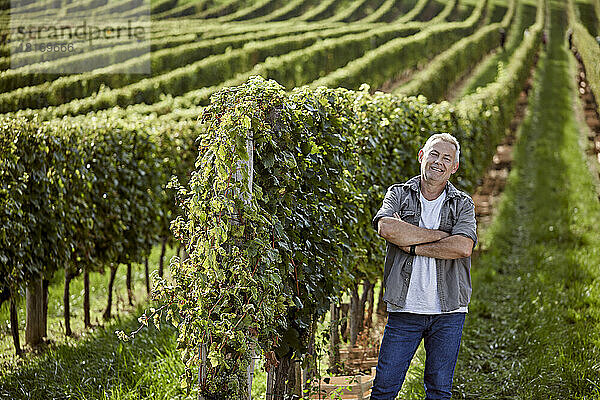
(446, 137)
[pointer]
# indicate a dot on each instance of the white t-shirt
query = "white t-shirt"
(422, 296)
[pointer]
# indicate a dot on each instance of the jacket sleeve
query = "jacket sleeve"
(391, 204)
(466, 224)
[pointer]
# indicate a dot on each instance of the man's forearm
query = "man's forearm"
(402, 233)
(448, 248)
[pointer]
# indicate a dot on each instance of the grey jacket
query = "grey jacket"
(457, 217)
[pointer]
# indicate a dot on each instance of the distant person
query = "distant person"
(430, 229)
(544, 38)
(598, 40)
(570, 38)
(502, 38)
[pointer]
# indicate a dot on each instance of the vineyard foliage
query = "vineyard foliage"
(85, 191)
(97, 166)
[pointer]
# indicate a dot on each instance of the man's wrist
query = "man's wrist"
(412, 250)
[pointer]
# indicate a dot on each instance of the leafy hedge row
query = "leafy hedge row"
(83, 6)
(414, 11)
(589, 50)
(33, 67)
(321, 11)
(387, 61)
(164, 31)
(34, 7)
(348, 13)
(162, 6)
(387, 9)
(112, 8)
(303, 66)
(28, 68)
(446, 11)
(85, 192)
(434, 81)
(14, 49)
(293, 69)
(495, 103)
(159, 33)
(86, 8)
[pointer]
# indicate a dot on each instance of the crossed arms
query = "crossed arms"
(429, 242)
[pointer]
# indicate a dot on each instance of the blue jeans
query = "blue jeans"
(403, 333)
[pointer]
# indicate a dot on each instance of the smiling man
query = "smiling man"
(430, 229)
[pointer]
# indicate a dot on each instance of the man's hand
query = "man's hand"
(401, 233)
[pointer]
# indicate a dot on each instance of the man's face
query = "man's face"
(438, 163)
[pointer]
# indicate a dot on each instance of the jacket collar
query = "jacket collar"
(415, 184)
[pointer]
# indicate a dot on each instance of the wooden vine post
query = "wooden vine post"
(238, 176)
(202, 351)
(270, 384)
(202, 354)
(334, 338)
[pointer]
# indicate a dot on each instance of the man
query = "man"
(430, 230)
